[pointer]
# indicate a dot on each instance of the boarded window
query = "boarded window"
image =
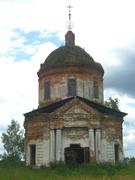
(32, 154)
(116, 151)
(71, 87)
(47, 90)
(95, 90)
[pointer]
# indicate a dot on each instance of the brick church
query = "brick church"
(71, 123)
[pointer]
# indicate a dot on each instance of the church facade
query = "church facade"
(71, 123)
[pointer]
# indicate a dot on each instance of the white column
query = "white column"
(58, 145)
(52, 145)
(98, 144)
(91, 145)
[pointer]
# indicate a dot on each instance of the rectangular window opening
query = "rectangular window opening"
(71, 87)
(95, 90)
(116, 151)
(32, 154)
(47, 90)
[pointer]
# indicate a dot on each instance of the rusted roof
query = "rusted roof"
(52, 107)
(70, 56)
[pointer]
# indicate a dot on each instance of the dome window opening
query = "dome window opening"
(95, 90)
(47, 91)
(71, 87)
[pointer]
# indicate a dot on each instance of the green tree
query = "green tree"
(13, 142)
(112, 103)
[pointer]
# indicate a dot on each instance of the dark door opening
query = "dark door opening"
(116, 149)
(32, 154)
(76, 154)
(86, 154)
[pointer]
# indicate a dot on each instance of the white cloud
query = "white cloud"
(19, 85)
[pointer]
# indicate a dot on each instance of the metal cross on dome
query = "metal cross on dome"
(70, 24)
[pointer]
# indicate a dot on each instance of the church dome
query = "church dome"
(70, 71)
(71, 55)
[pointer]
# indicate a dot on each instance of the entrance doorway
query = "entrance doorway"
(32, 154)
(75, 154)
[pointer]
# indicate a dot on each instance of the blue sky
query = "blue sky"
(31, 38)
(33, 28)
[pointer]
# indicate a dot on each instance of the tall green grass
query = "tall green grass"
(18, 171)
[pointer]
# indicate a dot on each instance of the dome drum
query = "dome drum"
(70, 71)
(66, 84)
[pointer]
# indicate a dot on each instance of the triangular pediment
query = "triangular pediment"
(75, 106)
(76, 109)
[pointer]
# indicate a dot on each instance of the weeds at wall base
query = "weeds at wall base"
(61, 171)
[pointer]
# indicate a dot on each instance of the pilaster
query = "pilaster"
(98, 144)
(92, 145)
(58, 145)
(52, 145)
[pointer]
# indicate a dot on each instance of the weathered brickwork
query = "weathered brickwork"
(71, 124)
(58, 81)
(74, 120)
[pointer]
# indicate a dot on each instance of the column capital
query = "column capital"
(59, 128)
(56, 127)
(91, 129)
(52, 127)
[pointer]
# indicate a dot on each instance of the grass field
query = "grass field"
(12, 171)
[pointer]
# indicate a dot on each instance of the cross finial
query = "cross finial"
(70, 25)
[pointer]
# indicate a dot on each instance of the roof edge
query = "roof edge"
(51, 107)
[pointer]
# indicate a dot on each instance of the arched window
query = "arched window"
(47, 90)
(71, 87)
(95, 89)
